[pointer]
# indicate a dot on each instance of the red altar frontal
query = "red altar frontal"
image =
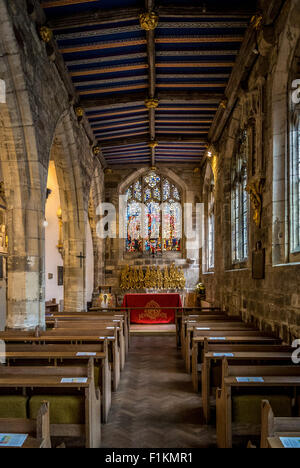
(148, 308)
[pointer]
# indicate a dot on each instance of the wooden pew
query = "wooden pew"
(183, 312)
(241, 355)
(92, 317)
(272, 427)
(51, 306)
(96, 325)
(36, 381)
(59, 355)
(72, 337)
(282, 379)
(197, 329)
(117, 312)
(38, 430)
(275, 442)
(192, 321)
(228, 338)
(92, 336)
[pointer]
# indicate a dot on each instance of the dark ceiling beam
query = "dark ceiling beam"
(165, 97)
(152, 78)
(194, 12)
(109, 102)
(136, 140)
(96, 17)
(163, 25)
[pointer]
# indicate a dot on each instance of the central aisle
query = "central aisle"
(155, 406)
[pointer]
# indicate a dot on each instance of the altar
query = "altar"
(149, 308)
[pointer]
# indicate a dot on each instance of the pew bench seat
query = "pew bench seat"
(75, 404)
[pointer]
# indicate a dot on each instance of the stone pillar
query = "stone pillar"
(25, 268)
(74, 275)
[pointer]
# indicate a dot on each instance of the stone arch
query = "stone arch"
(65, 154)
(24, 180)
(164, 171)
(35, 124)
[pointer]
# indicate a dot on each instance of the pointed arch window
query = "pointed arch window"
(240, 201)
(154, 215)
(211, 228)
(295, 186)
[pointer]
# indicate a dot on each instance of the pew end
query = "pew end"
(38, 428)
(273, 426)
(250, 445)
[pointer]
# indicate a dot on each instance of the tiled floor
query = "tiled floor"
(155, 406)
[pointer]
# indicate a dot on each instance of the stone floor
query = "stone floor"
(155, 406)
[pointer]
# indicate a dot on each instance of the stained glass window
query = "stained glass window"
(153, 227)
(166, 190)
(240, 201)
(134, 224)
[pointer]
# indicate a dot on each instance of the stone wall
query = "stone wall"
(272, 303)
(38, 121)
(116, 183)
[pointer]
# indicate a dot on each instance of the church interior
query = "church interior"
(150, 224)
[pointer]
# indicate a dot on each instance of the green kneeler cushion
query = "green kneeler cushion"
(246, 409)
(64, 409)
(13, 407)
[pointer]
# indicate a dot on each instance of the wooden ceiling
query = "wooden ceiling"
(150, 95)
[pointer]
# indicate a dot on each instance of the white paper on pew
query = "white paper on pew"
(290, 442)
(250, 379)
(217, 338)
(103, 337)
(12, 440)
(223, 355)
(203, 329)
(86, 354)
(79, 380)
(110, 328)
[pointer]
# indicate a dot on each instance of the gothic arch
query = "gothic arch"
(288, 44)
(65, 154)
(164, 171)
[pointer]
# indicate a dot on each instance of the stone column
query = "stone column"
(26, 288)
(74, 275)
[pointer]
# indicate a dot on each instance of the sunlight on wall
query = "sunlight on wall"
(53, 258)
